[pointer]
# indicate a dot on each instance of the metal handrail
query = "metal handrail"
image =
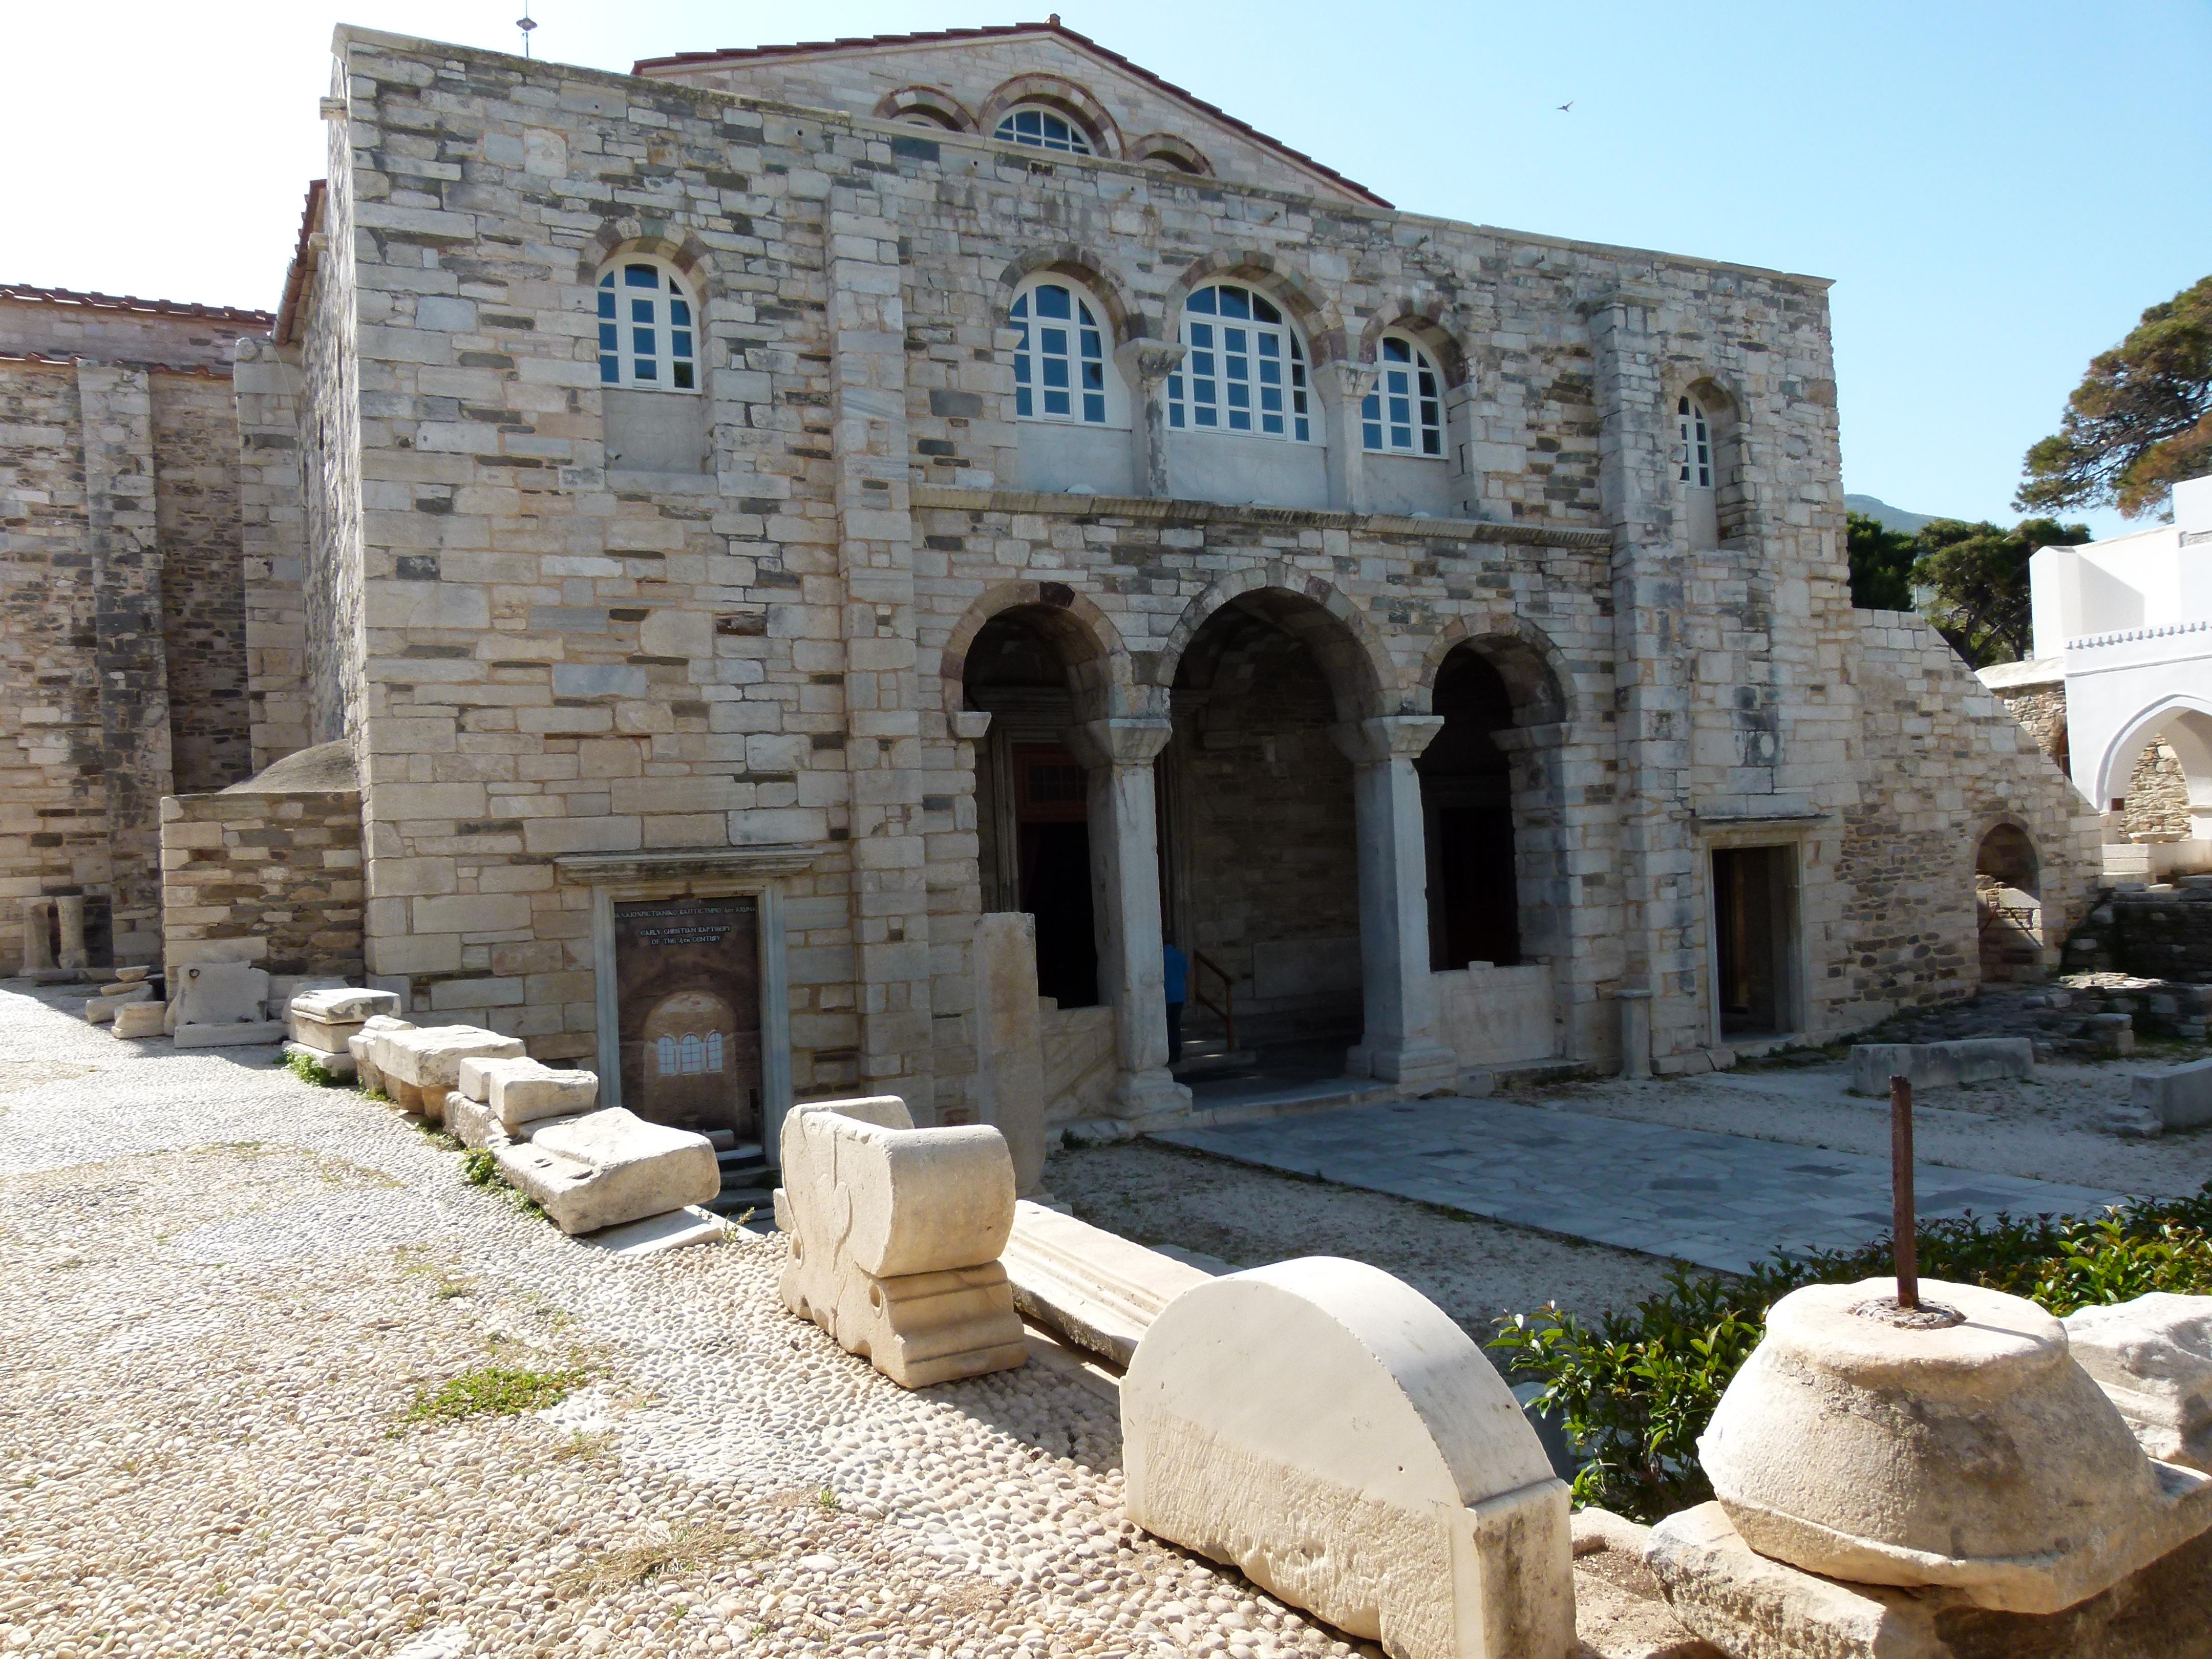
(1225, 1010)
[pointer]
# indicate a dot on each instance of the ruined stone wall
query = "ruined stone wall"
(271, 878)
(53, 806)
(195, 436)
(2158, 795)
(1940, 763)
(330, 436)
(2041, 708)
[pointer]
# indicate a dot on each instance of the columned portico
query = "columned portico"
(1400, 1042)
(1125, 865)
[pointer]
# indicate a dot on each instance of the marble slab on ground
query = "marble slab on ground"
(1722, 1201)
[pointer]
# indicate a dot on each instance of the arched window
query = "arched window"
(647, 334)
(713, 1051)
(664, 1053)
(1404, 414)
(1042, 129)
(1060, 364)
(693, 1052)
(1694, 450)
(1246, 369)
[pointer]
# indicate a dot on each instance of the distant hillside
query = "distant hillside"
(1892, 518)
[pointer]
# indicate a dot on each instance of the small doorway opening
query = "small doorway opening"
(1052, 833)
(1755, 928)
(2009, 907)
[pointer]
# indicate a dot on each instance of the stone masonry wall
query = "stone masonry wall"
(271, 878)
(1944, 762)
(195, 436)
(2158, 795)
(557, 657)
(272, 533)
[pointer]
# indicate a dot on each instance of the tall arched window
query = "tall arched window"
(648, 335)
(1060, 372)
(713, 1051)
(1404, 414)
(1042, 129)
(1246, 369)
(1694, 450)
(693, 1052)
(664, 1053)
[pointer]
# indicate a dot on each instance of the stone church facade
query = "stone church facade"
(811, 497)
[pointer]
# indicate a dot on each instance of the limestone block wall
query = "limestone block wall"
(270, 879)
(1941, 762)
(272, 535)
(195, 499)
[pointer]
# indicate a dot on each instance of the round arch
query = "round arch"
(1165, 149)
(1422, 320)
(619, 237)
(1098, 665)
(1087, 267)
(2185, 722)
(2005, 849)
(1055, 92)
(1362, 674)
(1315, 313)
(933, 103)
(1532, 666)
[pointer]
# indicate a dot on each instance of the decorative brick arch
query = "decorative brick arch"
(1422, 316)
(1167, 149)
(618, 237)
(1344, 639)
(1076, 102)
(1532, 666)
(1098, 663)
(939, 105)
(1316, 313)
(1088, 267)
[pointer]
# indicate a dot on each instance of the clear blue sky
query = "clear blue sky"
(1997, 189)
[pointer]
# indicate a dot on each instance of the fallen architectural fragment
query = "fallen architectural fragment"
(419, 1065)
(2153, 1359)
(361, 1047)
(141, 1019)
(99, 1010)
(1099, 1291)
(895, 1237)
(2180, 1098)
(605, 1167)
(323, 1023)
(1328, 1430)
(221, 1005)
(1940, 1065)
(1010, 1042)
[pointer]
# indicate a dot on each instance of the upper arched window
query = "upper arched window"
(1404, 414)
(665, 1053)
(1246, 368)
(1060, 362)
(1693, 449)
(1042, 129)
(648, 334)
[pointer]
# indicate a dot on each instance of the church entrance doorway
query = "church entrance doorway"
(1754, 929)
(1466, 800)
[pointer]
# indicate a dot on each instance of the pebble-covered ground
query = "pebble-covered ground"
(227, 1291)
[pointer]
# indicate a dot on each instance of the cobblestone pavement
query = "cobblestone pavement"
(226, 1289)
(1720, 1200)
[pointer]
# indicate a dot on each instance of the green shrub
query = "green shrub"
(309, 1070)
(1635, 1391)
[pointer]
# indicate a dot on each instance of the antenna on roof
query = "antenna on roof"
(526, 25)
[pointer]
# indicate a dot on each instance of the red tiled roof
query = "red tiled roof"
(295, 274)
(67, 296)
(998, 32)
(44, 359)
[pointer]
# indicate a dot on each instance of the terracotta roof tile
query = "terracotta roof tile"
(132, 304)
(1000, 31)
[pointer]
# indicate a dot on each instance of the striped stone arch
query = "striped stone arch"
(1093, 270)
(1426, 318)
(1363, 674)
(1316, 313)
(1532, 666)
(642, 235)
(1098, 663)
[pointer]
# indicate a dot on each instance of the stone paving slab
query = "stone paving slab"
(1722, 1201)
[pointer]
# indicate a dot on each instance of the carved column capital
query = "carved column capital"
(1387, 736)
(1145, 363)
(1121, 742)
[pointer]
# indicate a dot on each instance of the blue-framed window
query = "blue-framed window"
(648, 330)
(1042, 129)
(1246, 368)
(1059, 365)
(1404, 414)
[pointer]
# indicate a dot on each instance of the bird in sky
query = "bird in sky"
(1565, 107)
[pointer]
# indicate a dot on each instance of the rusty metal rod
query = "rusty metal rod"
(1903, 1224)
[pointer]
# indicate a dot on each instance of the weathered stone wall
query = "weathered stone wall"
(331, 422)
(195, 436)
(2158, 795)
(273, 878)
(1944, 761)
(272, 534)
(2041, 708)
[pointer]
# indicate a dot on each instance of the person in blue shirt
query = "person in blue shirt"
(1175, 973)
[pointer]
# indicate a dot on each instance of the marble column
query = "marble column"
(1342, 387)
(1125, 865)
(1399, 1044)
(69, 909)
(38, 939)
(1145, 366)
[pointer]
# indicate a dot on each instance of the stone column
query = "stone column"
(1145, 366)
(1342, 386)
(1125, 865)
(1010, 1042)
(69, 909)
(1400, 1043)
(1635, 1034)
(38, 939)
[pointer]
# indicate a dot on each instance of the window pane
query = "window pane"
(1024, 401)
(610, 337)
(643, 370)
(640, 277)
(1235, 302)
(1270, 345)
(1094, 377)
(682, 372)
(1432, 443)
(1201, 301)
(1396, 351)
(1264, 312)
(1401, 437)
(607, 281)
(1094, 407)
(1206, 418)
(640, 311)
(1304, 434)
(1056, 371)
(607, 303)
(679, 313)
(610, 372)
(680, 343)
(1371, 435)
(640, 342)
(1055, 402)
(1092, 347)
(1053, 301)
(1239, 421)
(1052, 340)
(1272, 423)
